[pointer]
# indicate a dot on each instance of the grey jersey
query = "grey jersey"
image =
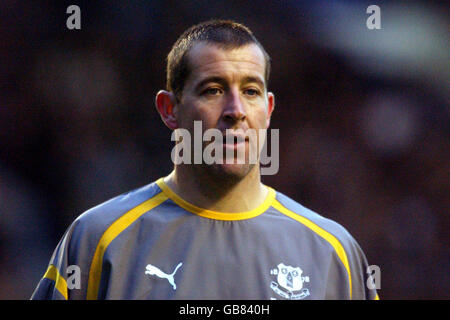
(151, 244)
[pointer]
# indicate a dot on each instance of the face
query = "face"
(226, 90)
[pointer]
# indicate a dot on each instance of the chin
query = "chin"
(231, 172)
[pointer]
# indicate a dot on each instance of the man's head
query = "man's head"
(217, 75)
(224, 34)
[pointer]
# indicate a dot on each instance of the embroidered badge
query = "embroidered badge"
(289, 282)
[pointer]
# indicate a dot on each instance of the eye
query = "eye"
(212, 91)
(251, 92)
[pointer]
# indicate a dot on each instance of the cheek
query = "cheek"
(197, 111)
(259, 119)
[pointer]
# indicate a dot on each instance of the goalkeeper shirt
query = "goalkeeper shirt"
(152, 244)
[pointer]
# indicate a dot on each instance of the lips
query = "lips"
(234, 139)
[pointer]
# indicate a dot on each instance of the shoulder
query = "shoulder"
(337, 236)
(345, 246)
(311, 219)
(88, 228)
(100, 217)
(81, 239)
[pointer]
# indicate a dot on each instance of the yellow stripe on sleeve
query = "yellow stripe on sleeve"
(322, 233)
(53, 274)
(110, 234)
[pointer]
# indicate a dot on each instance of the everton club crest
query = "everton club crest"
(290, 282)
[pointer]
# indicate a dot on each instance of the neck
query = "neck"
(215, 193)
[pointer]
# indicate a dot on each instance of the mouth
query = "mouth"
(234, 141)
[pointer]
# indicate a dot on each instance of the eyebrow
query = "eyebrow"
(258, 80)
(221, 80)
(208, 80)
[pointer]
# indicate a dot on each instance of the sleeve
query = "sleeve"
(53, 285)
(66, 276)
(365, 278)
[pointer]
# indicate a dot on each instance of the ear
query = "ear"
(270, 106)
(166, 104)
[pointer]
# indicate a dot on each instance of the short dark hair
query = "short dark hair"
(226, 34)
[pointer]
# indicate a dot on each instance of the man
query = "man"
(209, 231)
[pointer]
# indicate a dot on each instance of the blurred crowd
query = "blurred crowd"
(363, 119)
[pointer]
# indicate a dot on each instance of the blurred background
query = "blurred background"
(363, 118)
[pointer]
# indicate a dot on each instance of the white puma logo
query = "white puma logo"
(152, 270)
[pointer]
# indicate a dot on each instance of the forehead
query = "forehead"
(211, 60)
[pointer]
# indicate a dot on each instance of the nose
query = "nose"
(234, 109)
